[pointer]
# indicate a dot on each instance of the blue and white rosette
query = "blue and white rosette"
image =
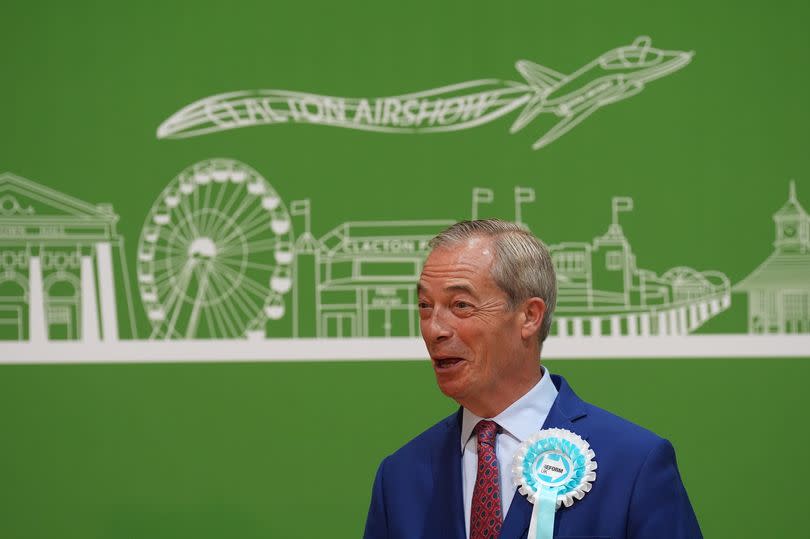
(552, 468)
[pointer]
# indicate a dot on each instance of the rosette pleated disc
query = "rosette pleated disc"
(215, 254)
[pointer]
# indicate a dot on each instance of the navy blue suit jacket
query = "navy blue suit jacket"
(638, 491)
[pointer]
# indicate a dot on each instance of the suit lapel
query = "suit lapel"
(446, 513)
(567, 409)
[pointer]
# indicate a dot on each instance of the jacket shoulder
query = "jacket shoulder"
(617, 434)
(609, 423)
(428, 440)
(600, 425)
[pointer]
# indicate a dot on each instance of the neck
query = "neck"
(504, 396)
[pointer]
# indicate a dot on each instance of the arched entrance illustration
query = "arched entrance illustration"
(13, 306)
(62, 304)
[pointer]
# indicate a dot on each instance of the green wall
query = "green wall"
(228, 449)
(290, 450)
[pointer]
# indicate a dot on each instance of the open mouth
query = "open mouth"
(446, 363)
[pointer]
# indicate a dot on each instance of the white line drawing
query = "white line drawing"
(215, 253)
(358, 279)
(613, 76)
(480, 195)
(779, 289)
(220, 260)
(523, 195)
(58, 261)
(365, 278)
(602, 292)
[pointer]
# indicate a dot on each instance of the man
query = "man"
(486, 295)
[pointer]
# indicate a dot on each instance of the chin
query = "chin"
(454, 390)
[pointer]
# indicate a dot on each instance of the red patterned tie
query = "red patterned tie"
(486, 516)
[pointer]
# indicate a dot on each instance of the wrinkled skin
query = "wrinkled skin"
(485, 356)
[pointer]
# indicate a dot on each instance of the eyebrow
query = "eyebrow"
(460, 288)
(452, 288)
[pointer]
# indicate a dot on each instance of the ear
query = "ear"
(534, 311)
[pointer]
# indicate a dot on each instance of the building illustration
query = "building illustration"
(779, 289)
(61, 262)
(366, 275)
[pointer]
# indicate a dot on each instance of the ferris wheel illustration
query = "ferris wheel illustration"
(215, 254)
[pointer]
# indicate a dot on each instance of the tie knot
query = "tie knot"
(486, 431)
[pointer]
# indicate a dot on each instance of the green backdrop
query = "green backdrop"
(227, 449)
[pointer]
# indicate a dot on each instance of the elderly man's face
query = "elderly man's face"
(472, 336)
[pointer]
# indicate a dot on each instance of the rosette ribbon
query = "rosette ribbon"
(554, 467)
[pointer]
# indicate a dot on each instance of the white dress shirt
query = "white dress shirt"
(518, 422)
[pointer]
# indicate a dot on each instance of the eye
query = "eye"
(423, 304)
(462, 305)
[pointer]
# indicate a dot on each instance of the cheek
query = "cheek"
(477, 340)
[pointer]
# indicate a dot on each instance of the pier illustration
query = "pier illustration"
(602, 291)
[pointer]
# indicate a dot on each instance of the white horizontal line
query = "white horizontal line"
(383, 349)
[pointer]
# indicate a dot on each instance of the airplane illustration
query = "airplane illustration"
(616, 75)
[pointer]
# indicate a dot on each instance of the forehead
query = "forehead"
(467, 263)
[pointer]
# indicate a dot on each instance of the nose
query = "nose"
(435, 328)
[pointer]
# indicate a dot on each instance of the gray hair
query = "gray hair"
(522, 266)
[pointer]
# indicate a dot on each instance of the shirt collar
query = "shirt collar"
(523, 417)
